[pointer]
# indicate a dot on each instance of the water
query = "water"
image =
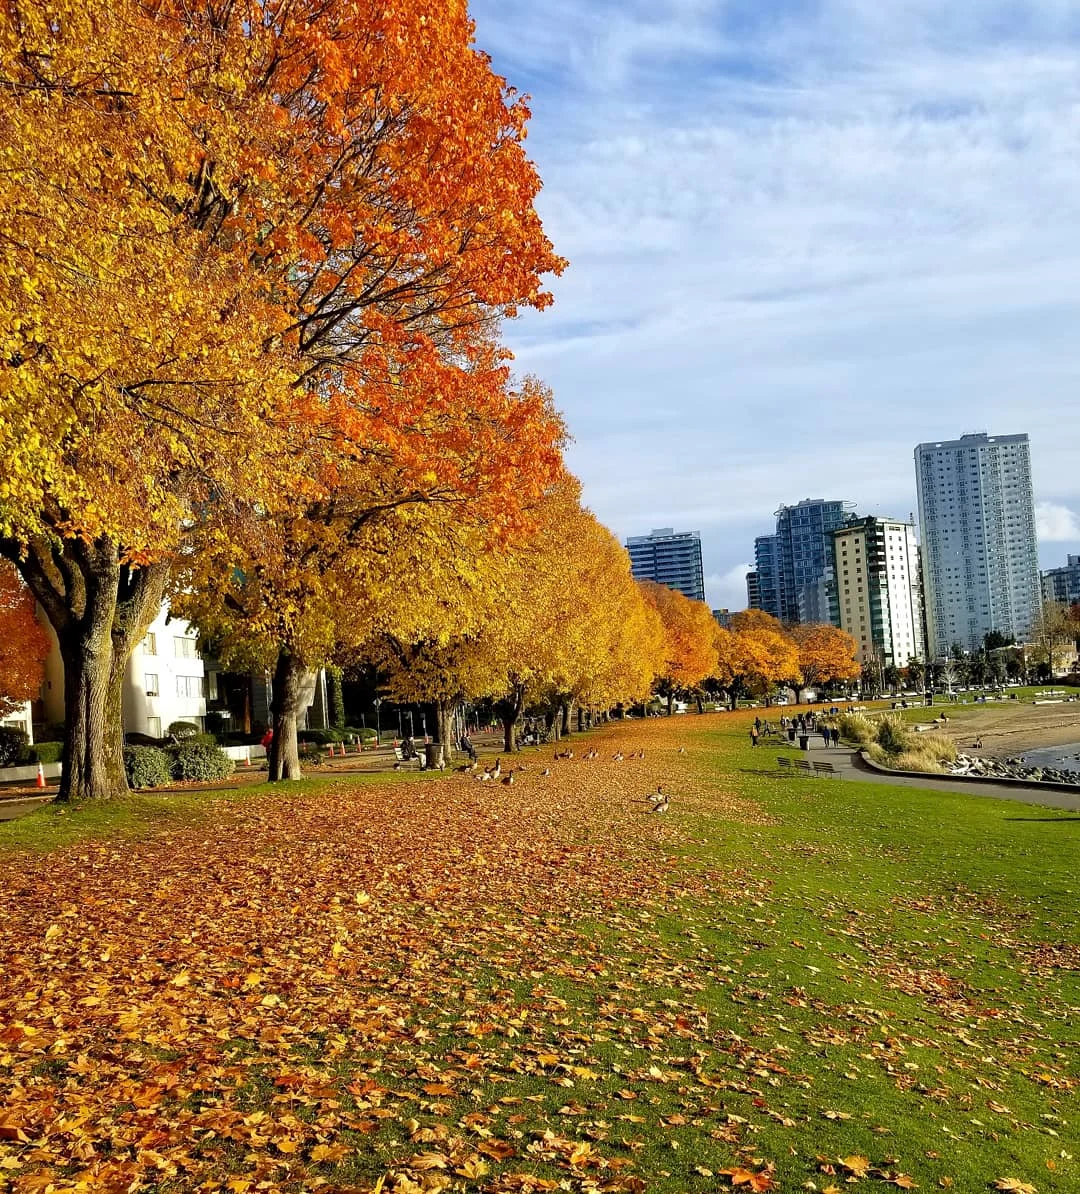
(1063, 758)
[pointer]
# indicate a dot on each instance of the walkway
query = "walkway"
(850, 766)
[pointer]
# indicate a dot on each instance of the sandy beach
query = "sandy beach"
(1009, 728)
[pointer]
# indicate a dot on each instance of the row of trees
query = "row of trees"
(256, 257)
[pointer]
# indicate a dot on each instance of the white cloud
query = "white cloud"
(727, 590)
(1056, 524)
(803, 239)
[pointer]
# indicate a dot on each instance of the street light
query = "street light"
(378, 702)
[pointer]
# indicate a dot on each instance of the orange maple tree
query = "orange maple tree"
(25, 643)
(689, 654)
(232, 230)
(826, 653)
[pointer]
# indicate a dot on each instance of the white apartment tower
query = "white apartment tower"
(876, 590)
(980, 555)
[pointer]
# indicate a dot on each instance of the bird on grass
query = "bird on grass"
(508, 779)
(498, 769)
(546, 771)
(593, 754)
(682, 750)
(617, 757)
(661, 806)
(484, 776)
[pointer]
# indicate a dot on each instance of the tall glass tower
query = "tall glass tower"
(670, 558)
(794, 565)
(980, 555)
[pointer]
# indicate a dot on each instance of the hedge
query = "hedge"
(147, 766)
(13, 748)
(46, 752)
(200, 761)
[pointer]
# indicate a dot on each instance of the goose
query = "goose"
(508, 779)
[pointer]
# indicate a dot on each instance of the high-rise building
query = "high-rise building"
(1063, 584)
(767, 571)
(669, 558)
(753, 591)
(723, 618)
(795, 564)
(876, 592)
(979, 552)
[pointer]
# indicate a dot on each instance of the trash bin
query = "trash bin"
(433, 756)
(791, 735)
(804, 742)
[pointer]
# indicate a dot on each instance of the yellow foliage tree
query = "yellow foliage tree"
(690, 647)
(825, 654)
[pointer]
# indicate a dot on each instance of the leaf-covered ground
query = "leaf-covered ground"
(780, 984)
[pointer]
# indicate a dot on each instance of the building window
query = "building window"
(150, 684)
(153, 727)
(185, 648)
(149, 644)
(189, 686)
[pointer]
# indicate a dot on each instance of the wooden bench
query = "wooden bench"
(825, 769)
(784, 764)
(803, 765)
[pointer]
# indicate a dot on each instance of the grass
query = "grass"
(142, 814)
(837, 983)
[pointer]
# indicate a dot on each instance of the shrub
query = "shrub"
(147, 766)
(134, 738)
(918, 759)
(877, 754)
(321, 737)
(939, 746)
(891, 735)
(857, 727)
(46, 752)
(200, 761)
(13, 749)
(181, 731)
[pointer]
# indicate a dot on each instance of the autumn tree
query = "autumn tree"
(1053, 636)
(689, 654)
(230, 231)
(25, 644)
(759, 655)
(825, 654)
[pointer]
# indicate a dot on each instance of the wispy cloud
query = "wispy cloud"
(802, 239)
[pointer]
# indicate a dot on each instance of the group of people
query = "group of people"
(802, 724)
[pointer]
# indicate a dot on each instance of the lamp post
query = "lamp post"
(378, 702)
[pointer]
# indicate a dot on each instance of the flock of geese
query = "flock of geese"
(658, 801)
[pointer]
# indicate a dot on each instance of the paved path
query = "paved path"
(851, 766)
(10, 809)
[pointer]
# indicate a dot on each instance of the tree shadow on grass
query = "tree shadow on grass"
(1054, 819)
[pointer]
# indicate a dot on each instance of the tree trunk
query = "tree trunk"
(509, 711)
(444, 729)
(566, 709)
(580, 719)
(100, 610)
(671, 704)
(552, 724)
(284, 709)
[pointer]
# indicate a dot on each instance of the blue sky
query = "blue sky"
(804, 236)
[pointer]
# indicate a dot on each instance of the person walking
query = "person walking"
(835, 735)
(826, 734)
(753, 735)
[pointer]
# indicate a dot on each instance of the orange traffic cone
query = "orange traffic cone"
(247, 757)
(359, 747)
(40, 775)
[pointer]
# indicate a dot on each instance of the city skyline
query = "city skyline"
(801, 240)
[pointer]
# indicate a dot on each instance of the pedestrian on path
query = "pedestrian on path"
(753, 735)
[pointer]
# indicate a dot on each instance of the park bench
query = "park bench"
(825, 769)
(784, 765)
(803, 765)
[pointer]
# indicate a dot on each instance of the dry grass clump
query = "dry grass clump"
(917, 759)
(857, 727)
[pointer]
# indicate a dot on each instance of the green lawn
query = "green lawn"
(801, 985)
